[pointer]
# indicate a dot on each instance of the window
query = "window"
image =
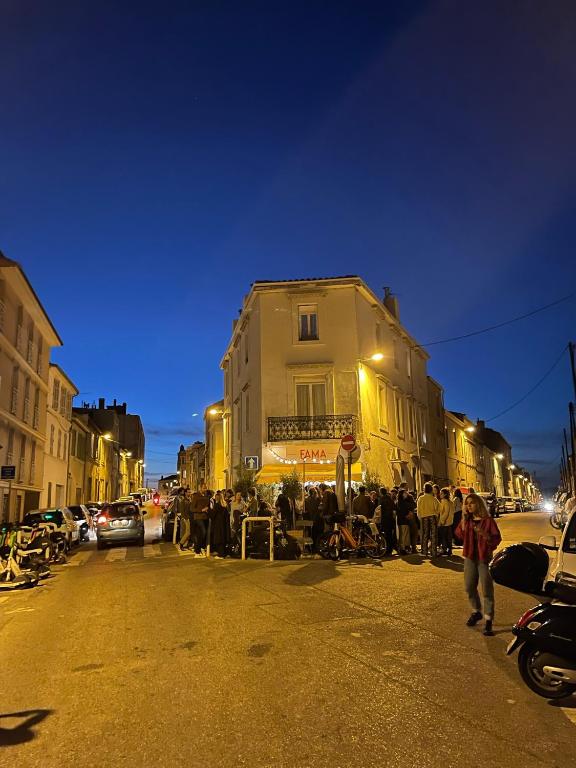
(39, 359)
(399, 414)
(246, 412)
(455, 442)
(409, 362)
(19, 323)
(423, 427)
(30, 345)
(237, 419)
(308, 322)
(22, 461)
(396, 362)
(73, 434)
(63, 401)
(32, 463)
(52, 440)
(26, 412)
(411, 420)
(10, 448)
(378, 337)
(311, 399)
(383, 405)
(36, 412)
(55, 395)
(14, 396)
(65, 445)
(59, 442)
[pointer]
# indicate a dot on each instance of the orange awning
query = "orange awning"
(317, 473)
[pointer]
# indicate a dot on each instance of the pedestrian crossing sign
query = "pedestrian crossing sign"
(251, 462)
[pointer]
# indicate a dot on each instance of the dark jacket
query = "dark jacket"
(219, 526)
(362, 505)
(386, 511)
(328, 504)
(311, 507)
(200, 505)
(403, 507)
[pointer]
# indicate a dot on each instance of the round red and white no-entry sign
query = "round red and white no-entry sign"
(348, 442)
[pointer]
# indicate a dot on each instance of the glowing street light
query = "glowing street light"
(377, 356)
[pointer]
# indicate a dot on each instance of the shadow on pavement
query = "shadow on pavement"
(22, 732)
(413, 559)
(568, 703)
(452, 563)
(314, 572)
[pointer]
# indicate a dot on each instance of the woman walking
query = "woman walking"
(481, 536)
(458, 504)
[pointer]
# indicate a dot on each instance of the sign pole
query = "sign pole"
(9, 499)
(349, 487)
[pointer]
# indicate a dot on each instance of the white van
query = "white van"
(563, 568)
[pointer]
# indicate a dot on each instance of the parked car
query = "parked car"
(519, 504)
(120, 521)
(83, 520)
(60, 518)
(509, 504)
(563, 567)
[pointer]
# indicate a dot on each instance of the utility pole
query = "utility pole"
(568, 462)
(572, 365)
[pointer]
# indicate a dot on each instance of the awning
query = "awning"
(316, 473)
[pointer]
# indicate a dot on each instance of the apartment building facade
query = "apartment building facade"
(61, 392)
(214, 447)
(312, 360)
(191, 465)
(26, 338)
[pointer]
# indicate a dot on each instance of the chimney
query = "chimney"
(101, 402)
(391, 302)
(114, 402)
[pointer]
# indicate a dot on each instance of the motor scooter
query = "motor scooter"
(546, 638)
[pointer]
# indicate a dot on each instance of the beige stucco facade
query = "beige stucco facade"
(26, 337)
(214, 446)
(300, 373)
(465, 467)
(61, 392)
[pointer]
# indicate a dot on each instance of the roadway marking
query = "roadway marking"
(570, 713)
(81, 558)
(152, 550)
(118, 553)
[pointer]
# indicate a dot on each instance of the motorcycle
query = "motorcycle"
(12, 575)
(546, 638)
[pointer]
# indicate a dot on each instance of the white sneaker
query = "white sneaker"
(217, 557)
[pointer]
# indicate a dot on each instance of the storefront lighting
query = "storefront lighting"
(377, 356)
(499, 456)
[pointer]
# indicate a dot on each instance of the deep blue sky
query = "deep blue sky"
(157, 157)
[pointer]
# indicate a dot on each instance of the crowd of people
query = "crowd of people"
(429, 525)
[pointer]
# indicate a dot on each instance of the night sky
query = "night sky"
(158, 157)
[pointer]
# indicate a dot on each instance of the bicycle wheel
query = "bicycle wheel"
(335, 547)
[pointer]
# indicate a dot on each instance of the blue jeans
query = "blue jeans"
(475, 571)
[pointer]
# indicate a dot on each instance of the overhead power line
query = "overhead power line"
(534, 388)
(501, 325)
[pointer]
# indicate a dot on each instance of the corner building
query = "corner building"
(313, 360)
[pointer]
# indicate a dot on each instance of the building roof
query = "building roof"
(307, 279)
(6, 262)
(65, 375)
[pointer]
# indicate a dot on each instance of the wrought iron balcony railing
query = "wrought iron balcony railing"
(329, 427)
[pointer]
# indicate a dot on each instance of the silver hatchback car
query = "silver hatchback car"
(119, 521)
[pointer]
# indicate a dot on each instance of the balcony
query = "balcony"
(329, 427)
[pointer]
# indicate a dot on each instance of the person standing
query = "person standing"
(362, 504)
(182, 510)
(445, 520)
(237, 507)
(405, 515)
(428, 509)
(458, 504)
(387, 520)
(481, 536)
(312, 512)
(219, 526)
(200, 507)
(283, 508)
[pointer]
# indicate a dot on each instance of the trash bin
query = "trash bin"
(522, 567)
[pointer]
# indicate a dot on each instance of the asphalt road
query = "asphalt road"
(146, 657)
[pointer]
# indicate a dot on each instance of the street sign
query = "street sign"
(348, 442)
(251, 462)
(8, 473)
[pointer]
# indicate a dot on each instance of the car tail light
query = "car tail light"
(102, 519)
(526, 618)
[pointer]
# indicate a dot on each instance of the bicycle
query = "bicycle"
(363, 540)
